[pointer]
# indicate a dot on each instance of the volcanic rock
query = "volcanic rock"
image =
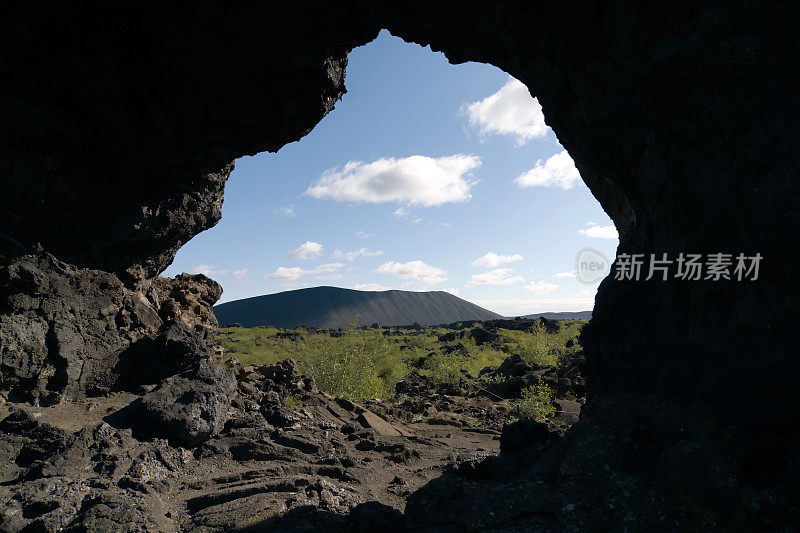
(189, 407)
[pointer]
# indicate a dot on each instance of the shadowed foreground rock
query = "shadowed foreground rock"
(190, 407)
(121, 120)
(68, 332)
(204, 451)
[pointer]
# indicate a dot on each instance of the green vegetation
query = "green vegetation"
(291, 401)
(547, 348)
(536, 401)
(359, 363)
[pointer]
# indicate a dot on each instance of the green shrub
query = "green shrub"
(291, 401)
(357, 365)
(364, 363)
(536, 402)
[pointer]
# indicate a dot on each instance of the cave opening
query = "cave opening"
(415, 147)
(426, 176)
(419, 180)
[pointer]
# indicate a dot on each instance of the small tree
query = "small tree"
(536, 402)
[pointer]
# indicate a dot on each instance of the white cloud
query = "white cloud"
(369, 287)
(416, 270)
(209, 270)
(491, 260)
(351, 256)
(417, 180)
(307, 250)
(416, 220)
(294, 273)
(510, 111)
(447, 225)
(361, 234)
(401, 212)
(558, 171)
(286, 211)
(239, 274)
(498, 276)
(569, 274)
(452, 290)
(600, 232)
(540, 287)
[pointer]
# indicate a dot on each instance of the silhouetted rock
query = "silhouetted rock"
(373, 516)
(523, 434)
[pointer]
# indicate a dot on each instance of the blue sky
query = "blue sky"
(426, 176)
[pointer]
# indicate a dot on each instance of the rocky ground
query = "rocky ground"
(254, 448)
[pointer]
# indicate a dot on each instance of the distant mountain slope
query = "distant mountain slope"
(563, 315)
(332, 307)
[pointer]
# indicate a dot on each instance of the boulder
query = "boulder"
(370, 420)
(190, 407)
(483, 336)
(522, 434)
(69, 332)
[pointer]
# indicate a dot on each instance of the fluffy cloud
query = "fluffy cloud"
(569, 274)
(239, 274)
(351, 256)
(540, 287)
(369, 287)
(491, 260)
(509, 111)
(307, 250)
(417, 180)
(452, 290)
(209, 270)
(416, 270)
(286, 211)
(498, 276)
(558, 171)
(361, 234)
(600, 232)
(294, 273)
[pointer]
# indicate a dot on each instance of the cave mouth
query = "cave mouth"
(407, 116)
(417, 151)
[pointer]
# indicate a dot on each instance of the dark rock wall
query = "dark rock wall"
(123, 118)
(67, 332)
(682, 118)
(687, 134)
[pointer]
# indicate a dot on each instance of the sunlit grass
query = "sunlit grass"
(364, 363)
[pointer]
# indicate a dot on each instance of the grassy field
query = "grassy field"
(360, 363)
